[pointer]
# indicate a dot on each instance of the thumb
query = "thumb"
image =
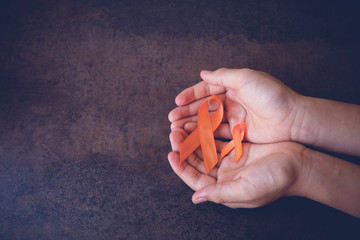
(224, 192)
(229, 78)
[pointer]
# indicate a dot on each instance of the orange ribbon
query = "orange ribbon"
(238, 136)
(203, 135)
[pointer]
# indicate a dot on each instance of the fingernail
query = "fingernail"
(200, 200)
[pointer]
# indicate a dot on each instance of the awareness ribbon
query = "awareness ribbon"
(203, 136)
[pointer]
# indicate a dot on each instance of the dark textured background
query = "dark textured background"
(85, 89)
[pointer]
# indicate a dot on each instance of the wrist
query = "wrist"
(305, 129)
(302, 161)
(328, 180)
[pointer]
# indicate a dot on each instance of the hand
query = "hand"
(267, 106)
(273, 113)
(264, 173)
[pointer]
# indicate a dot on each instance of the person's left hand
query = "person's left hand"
(263, 174)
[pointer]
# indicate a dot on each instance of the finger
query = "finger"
(193, 178)
(234, 113)
(198, 91)
(193, 108)
(177, 136)
(201, 167)
(228, 78)
(181, 122)
(197, 163)
(223, 192)
(242, 205)
(223, 131)
(196, 159)
(189, 127)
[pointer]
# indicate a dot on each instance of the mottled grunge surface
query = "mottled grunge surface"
(85, 89)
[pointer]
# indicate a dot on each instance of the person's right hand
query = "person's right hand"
(264, 173)
(267, 106)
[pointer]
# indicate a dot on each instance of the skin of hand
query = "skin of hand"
(267, 172)
(268, 107)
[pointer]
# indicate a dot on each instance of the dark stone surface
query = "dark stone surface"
(85, 89)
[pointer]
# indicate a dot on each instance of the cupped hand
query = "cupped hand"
(264, 173)
(267, 106)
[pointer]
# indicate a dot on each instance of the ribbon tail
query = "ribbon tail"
(238, 137)
(225, 151)
(189, 145)
(207, 141)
